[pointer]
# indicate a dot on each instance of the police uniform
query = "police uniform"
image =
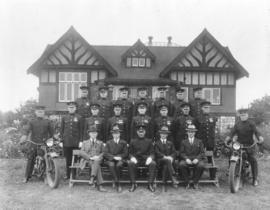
(148, 102)
(71, 132)
(105, 105)
(159, 102)
(177, 110)
(41, 129)
(195, 109)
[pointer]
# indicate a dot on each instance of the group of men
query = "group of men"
(137, 133)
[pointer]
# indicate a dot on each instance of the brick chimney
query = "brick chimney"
(150, 39)
(169, 43)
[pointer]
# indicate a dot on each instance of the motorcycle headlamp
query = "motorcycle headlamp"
(49, 142)
(236, 146)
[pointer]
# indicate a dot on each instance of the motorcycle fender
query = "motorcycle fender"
(53, 154)
(234, 158)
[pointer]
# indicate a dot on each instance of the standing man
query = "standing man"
(83, 103)
(105, 103)
(142, 97)
(40, 130)
(162, 101)
(127, 105)
(71, 134)
(243, 132)
(95, 120)
(180, 99)
(141, 153)
(195, 109)
(166, 154)
(141, 118)
(115, 153)
(192, 154)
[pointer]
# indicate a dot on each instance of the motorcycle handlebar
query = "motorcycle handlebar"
(250, 146)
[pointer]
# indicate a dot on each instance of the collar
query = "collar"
(116, 140)
(93, 140)
(191, 140)
(163, 141)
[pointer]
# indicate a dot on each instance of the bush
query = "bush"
(264, 129)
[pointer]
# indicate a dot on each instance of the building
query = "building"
(71, 61)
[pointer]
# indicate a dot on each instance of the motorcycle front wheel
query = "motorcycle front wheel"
(52, 173)
(234, 176)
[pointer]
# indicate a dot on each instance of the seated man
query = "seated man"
(116, 152)
(141, 153)
(92, 152)
(165, 153)
(192, 154)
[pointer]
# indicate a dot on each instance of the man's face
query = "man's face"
(186, 110)
(206, 109)
(163, 135)
(162, 94)
(164, 112)
(93, 135)
(71, 109)
(124, 94)
(243, 116)
(191, 134)
(198, 94)
(180, 95)
(142, 110)
(103, 93)
(84, 93)
(116, 135)
(117, 110)
(141, 133)
(142, 93)
(94, 111)
(40, 113)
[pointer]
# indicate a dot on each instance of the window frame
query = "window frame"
(212, 95)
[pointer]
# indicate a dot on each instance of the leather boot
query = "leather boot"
(133, 187)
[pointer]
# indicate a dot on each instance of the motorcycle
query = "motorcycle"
(240, 169)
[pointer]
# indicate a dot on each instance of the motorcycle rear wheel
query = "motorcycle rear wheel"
(234, 176)
(52, 173)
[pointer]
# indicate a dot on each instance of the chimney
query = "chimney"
(169, 41)
(150, 38)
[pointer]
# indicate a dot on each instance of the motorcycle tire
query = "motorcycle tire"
(234, 180)
(53, 173)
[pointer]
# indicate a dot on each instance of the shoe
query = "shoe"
(175, 181)
(175, 186)
(91, 182)
(25, 180)
(187, 186)
(255, 183)
(195, 186)
(151, 188)
(113, 185)
(101, 189)
(164, 188)
(119, 188)
(132, 188)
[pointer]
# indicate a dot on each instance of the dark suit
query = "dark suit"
(177, 109)
(83, 107)
(99, 123)
(111, 150)
(195, 107)
(122, 124)
(141, 149)
(192, 151)
(163, 121)
(161, 150)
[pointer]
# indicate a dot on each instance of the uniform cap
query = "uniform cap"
(185, 104)
(161, 88)
(103, 87)
(205, 103)
(142, 88)
(125, 88)
(243, 110)
(92, 129)
(84, 87)
(197, 88)
(179, 89)
(69, 103)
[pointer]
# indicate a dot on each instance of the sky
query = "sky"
(27, 26)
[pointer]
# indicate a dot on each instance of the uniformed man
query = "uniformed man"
(141, 153)
(191, 154)
(83, 103)
(40, 130)
(142, 118)
(116, 153)
(165, 155)
(142, 97)
(119, 120)
(105, 103)
(195, 109)
(71, 133)
(181, 124)
(180, 99)
(163, 119)
(161, 100)
(95, 120)
(243, 132)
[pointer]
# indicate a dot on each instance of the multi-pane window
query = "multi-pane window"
(212, 95)
(140, 62)
(69, 85)
(48, 76)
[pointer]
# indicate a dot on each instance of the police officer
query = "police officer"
(181, 124)
(95, 120)
(127, 105)
(180, 99)
(195, 109)
(119, 120)
(71, 134)
(105, 103)
(161, 100)
(141, 153)
(41, 129)
(162, 120)
(142, 118)
(142, 97)
(83, 103)
(243, 132)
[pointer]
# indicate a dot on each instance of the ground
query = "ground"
(36, 195)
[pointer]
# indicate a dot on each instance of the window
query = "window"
(181, 77)
(148, 62)
(216, 78)
(185, 93)
(48, 76)
(138, 62)
(230, 79)
(97, 75)
(128, 62)
(44, 76)
(187, 78)
(212, 95)
(225, 123)
(195, 78)
(135, 62)
(224, 79)
(209, 79)
(141, 62)
(202, 78)
(69, 85)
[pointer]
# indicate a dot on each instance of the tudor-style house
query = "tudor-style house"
(71, 62)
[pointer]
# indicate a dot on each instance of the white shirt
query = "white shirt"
(163, 141)
(116, 141)
(191, 140)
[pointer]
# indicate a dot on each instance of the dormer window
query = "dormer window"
(138, 62)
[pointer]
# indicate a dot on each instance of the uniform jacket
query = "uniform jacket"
(71, 130)
(93, 148)
(127, 108)
(149, 110)
(177, 110)
(141, 149)
(122, 124)
(139, 120)
(83, 107)
(192, 151)
(166, 149)
(158, 103)
(41, 129)
(116, 149)
(195, 107)
(99, 123)
(161, 121)
(105, 110)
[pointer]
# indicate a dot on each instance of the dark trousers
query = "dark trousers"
(68, 155)
(253, 163)
(115, 169)
(132, 169)
(96, 170)
(31, 157)
(197, 171)
(167, 169)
